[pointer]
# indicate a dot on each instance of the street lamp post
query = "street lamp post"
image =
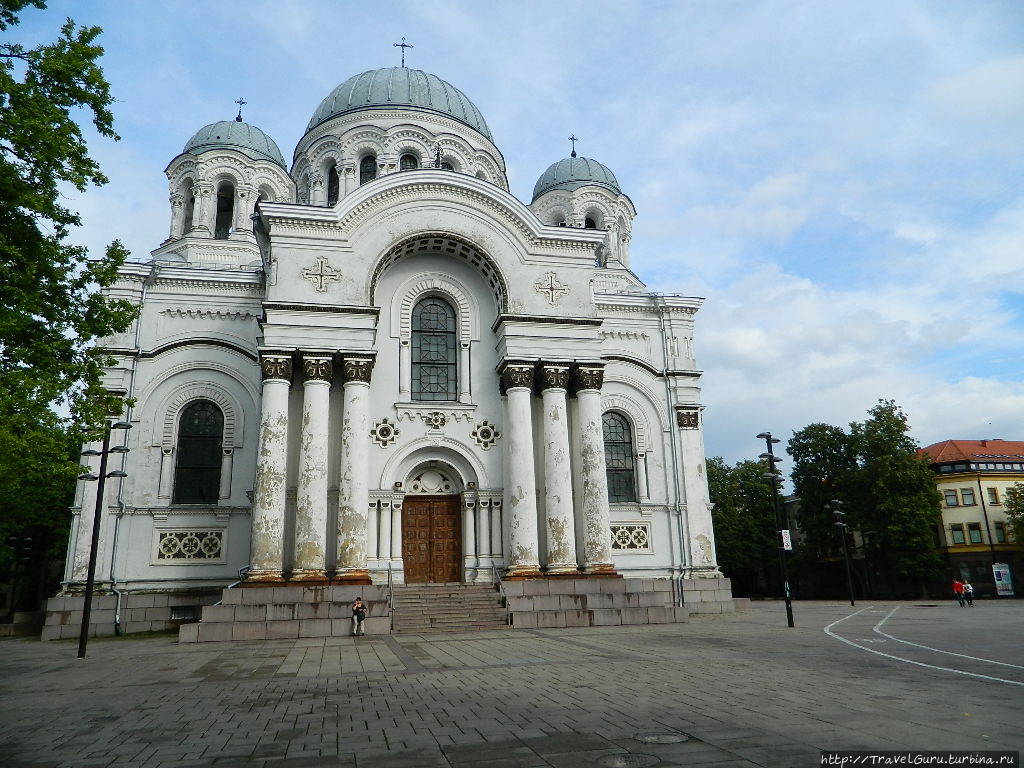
(83, 636)
(772, 475)
(837, 510)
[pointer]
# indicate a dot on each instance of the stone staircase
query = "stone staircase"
(421, 608)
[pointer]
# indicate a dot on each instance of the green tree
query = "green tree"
(893, 499)
(1014, 508)
(744, 520)
(823, 467)
(54, 309)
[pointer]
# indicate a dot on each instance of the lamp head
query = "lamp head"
(120, 425)
(120, 449)
(117, 473)
(88, 476)
(91, 452)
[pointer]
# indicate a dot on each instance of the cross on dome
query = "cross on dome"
(403, 45)
(573, 139)
(241, 102)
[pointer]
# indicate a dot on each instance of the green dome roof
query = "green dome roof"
(236, 135)
(574, 172)
(399, 88)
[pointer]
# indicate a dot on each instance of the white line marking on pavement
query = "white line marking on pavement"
(938, 650)
(828, 631)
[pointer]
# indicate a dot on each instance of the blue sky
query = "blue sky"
(841, 181)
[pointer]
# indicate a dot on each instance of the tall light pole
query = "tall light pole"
(83, 636)
(837, 510)
(772, 475)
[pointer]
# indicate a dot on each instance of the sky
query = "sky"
(840, 181)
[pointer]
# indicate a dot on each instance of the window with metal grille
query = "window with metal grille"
(619, 458)
(434, 359)
(367, 169)
(198, 459)
(408, 163)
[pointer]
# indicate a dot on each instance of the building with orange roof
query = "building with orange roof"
(972, 477)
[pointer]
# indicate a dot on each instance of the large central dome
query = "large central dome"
(400, 88)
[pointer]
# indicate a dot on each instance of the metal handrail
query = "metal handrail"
(241, 577)
(391, 598)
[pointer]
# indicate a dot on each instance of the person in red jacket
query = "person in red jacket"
(958, 591)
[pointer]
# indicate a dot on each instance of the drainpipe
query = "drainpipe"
(676, 468)
(154, 270)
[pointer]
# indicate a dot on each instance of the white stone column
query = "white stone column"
(558, 508)
(177, 214)
(464, 377)
(701, 544)
(597, 542)
(244, 197)
(226, 463)
(268, 507)
(354, 486)
(317, 189)
(469, 554)
(396, 530)
(311, 497)
(166, 473)
(496, 527)
(483, 528)
(204, 212)
(520, 482)
(641, 476)
(404, 367)
(372, 526)
(384, 531)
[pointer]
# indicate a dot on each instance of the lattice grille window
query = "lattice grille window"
(635, 537)
(619, 457)
(434, 359)
(190, 545)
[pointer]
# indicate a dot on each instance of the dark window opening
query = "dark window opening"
(589, 223)
(434, 358)
(367, 169)
(408, 163)
(225, 211)
(619, 457)
(197, 469)
(447, 167)
(189, 210)
(333, 185)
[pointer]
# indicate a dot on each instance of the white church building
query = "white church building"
(376, 365)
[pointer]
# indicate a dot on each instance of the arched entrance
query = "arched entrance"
(432, 525)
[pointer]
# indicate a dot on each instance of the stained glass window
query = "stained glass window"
(198, 458)
(367, 169)
(619, 458)
(408, 163)
(434, 359)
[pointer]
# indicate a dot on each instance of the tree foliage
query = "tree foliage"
(53, 310)
(744, 520)
(1013, 502)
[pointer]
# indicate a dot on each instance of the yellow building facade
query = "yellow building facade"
(973, 476)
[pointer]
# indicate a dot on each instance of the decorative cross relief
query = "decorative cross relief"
(550, 285)
(320, 274)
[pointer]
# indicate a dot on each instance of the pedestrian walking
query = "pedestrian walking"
(958, 591)
(358, 616)
(969, 593)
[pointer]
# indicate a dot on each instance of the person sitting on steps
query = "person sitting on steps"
(358, 616)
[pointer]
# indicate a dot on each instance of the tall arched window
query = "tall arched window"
(619, 457)
(333, 185)
(408, 162)
(589, 223)
(225, 210)
(198, 456)
(188, 208)
(434, 356)
(367, 169)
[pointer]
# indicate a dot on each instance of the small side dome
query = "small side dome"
(574, 172)
(236, 135)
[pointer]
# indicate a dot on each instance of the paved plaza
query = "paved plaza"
(726, 690)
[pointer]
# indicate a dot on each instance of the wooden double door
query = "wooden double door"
(432, 539)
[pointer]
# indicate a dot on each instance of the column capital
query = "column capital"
(553, 376)
(276, 366)
(587, 376)
(356, 369)
(515, 373)
(317, 368)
